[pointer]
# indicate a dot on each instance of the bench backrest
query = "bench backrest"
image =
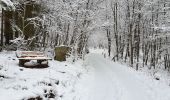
(22, 54)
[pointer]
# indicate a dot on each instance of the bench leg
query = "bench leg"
(40, 61)
(22, 62)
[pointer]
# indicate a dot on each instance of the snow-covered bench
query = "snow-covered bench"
(26, 56)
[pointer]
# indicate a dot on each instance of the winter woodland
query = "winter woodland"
(135, 33)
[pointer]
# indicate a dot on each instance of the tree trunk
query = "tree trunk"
(2, 27)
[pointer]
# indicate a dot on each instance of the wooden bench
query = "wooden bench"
(26, 56)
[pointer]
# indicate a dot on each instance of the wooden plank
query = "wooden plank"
(31, 58)
(31, 55)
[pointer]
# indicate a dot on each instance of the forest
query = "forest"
(131, 32)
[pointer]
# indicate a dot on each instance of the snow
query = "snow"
(8, 4)
(96, 78)
(112, 81)
(22, 83)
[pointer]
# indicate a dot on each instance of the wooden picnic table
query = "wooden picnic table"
(26, 56)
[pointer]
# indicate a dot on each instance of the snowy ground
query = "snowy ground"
(111, 81)
(17, 83)
(97, 78)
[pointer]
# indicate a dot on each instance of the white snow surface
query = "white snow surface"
(112, 81)
(96, 78)
(22, 83)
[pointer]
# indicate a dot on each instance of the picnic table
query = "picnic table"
(26, 56)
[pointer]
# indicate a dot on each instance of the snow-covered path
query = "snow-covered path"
(112, 81)
(96, 78)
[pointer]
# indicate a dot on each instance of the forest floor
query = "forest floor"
(95, 78)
